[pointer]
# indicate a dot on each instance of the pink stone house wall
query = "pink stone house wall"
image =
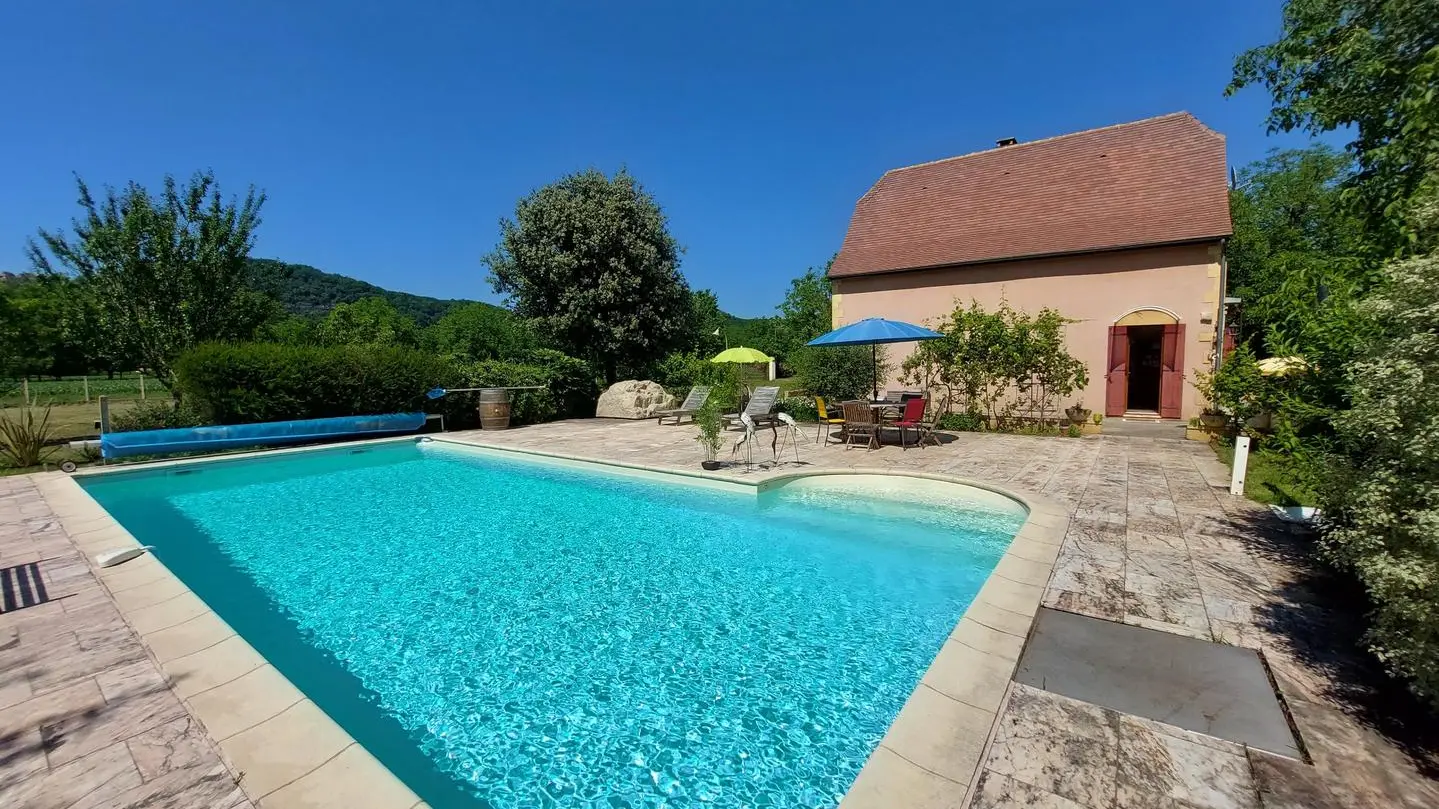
(1152, 284)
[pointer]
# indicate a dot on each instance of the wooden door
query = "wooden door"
(1116, 387)
(1171, 363)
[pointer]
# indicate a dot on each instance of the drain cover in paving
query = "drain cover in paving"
(1206, 687)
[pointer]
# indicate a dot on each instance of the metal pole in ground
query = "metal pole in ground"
(142, 386)
(87, 388)
(1241, 465)
(25, 391)
(104, 414)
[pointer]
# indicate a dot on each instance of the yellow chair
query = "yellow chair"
(825, 420)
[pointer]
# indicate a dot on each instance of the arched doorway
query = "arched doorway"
(1146, 364)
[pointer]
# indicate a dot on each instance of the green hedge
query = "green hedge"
(570, 386)
(238, 383)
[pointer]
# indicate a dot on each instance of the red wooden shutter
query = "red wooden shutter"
(1116, 388)
(1171, 359)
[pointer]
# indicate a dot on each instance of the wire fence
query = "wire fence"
(131, 386)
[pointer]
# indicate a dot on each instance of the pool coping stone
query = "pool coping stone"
(929, 757)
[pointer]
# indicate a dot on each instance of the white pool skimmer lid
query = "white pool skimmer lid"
(115, 557)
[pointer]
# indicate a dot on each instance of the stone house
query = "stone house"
(1121, 229)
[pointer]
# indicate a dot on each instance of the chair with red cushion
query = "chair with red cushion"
(912, 418)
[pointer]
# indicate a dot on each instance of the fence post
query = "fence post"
(25, 391)
(142, 385)
(86, 378)
(104, 414)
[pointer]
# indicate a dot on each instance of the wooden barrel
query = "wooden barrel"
(495, 409)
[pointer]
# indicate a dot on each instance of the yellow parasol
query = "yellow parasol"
(1282, 366)
(741, 355)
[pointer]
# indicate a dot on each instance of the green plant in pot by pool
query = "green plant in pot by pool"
(711, 432)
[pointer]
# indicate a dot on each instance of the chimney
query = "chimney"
(1006, 142)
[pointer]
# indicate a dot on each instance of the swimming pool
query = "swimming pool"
(505, 632)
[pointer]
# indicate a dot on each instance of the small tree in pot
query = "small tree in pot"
(711, 430)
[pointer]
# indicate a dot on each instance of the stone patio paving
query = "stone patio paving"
(86, 720)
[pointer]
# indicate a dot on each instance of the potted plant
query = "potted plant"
(710, 437)
(1077, 413)
(1213, 419)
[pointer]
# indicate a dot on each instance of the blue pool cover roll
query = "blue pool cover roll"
(201, 439)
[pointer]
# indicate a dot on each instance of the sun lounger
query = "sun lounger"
(699, 394)
(760, 408)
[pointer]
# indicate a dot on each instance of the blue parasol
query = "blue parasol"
(872, 331)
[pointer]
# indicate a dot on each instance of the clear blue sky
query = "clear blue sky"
(391, 137)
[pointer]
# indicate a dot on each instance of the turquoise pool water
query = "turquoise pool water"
(505, 633)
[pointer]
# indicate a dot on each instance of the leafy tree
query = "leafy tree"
(369, 322)
(10, 336)
(1382, 497)
(994, 365)
(1369, 66)
(840, 372)
(805, 310)
(37, 341)
(82, 324)
(763, 333)
(1292, 229)
(292, 330)
(166, 272)
(590, 260)
(479, 331)
(708, 325)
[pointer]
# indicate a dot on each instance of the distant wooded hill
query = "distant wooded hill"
(304, 290)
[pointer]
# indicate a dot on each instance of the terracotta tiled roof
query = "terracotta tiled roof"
(1157, 181)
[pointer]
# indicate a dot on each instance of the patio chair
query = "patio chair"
(859, 421)
(826, 421)
(696, 399)
(911, 419)
(760, 408)
(929, 429)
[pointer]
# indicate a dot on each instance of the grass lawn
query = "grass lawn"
(72, 421)
(786, 384)
(1266, 480)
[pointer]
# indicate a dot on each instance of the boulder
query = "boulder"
(633, 399)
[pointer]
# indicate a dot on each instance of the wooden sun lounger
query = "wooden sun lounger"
(699, 394)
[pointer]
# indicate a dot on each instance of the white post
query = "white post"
(25, 391)
(1241, 465)
(771, 370)
(86, 379)
(142, 385)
